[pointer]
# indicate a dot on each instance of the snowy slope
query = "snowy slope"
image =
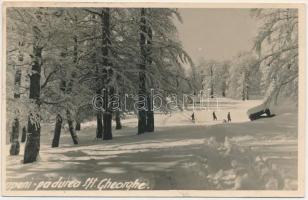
(242, 155)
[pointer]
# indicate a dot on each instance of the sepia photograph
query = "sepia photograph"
(153, 99)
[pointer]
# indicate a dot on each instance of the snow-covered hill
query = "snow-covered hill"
(245, 155)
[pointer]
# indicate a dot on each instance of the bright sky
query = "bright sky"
(217, 34)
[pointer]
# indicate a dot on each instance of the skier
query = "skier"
(229, 117)
(193, 117)
(214, 116)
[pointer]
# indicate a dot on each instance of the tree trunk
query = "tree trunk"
(24, 134)
(117, 112)
(71, 127)
(57, 132)
(75, 60)
(107, 118)
(150, 115)
(118, 120)
(141, 122)
(212, 85)
(107, 71)
(277, 95)
(99, 125)
(224, 89)
(142, 77)
(107, 126)
(78, 119)
(15, 147)
(247, 96)
(32, 146)
(78, 126)
(99, 115)
(243, 88)
(99, 86)
(150, 111)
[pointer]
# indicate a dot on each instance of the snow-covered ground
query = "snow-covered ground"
(203, 114)
(180, 154)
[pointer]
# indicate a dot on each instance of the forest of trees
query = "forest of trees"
(272, 63)
(58, 59)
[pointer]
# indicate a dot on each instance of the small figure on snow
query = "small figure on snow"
(229, 117)
(214, 116)
(193, 117)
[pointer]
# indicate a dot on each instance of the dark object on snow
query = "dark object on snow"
(267, 112)
(118, 120)
(260, 114)
(229, 117)
(214, 116)
(24, 134)
(193, 117)
(57, 133)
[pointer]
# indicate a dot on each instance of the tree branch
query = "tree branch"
(52, 103)
(93, 12)
(47, 79)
